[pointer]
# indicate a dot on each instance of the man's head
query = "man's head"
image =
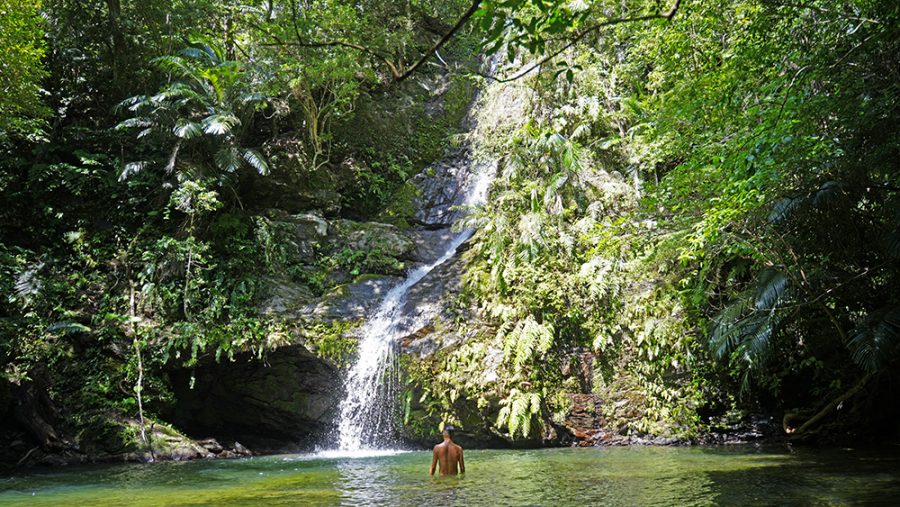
(448, 431)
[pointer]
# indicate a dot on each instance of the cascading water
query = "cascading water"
(368, 410)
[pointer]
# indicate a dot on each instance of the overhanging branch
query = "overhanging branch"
(397, 73)
(584, 33)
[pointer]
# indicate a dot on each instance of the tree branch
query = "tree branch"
(397, 74)
(447, 36)
(791, 416)
(584, 33)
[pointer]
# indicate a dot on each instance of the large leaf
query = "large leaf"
(68, 327)
(228, 159)
(187, 129)
(219, 124)
(132, 168)
(139, 121)
(256, 160)
(874, 342)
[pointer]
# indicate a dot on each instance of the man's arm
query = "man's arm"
(434, 459)
(462, 464)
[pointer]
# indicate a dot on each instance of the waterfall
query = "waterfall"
(368, 410)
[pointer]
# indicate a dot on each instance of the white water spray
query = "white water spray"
(367, 412)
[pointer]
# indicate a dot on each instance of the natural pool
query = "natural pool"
(594, 476)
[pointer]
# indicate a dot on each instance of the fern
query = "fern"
(518, 412)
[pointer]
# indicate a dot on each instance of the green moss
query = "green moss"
(331, 341)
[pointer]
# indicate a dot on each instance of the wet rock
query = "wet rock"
(293, 183)
(584, 419)
(285, 399)
(351, 301)
(444, 186)
(385, 239)
(240, 449)
(284, 296)
(211, 444)
(430, 244)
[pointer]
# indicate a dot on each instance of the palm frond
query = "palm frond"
(181, 91)
(175, 65)
(173, 157)
(27, 282)
(132, 103)
(201, 51)
(892, 241)
(743, 330)
(139, 121)
(187, 129)
(874, 342)
(771, 285)
(829, 194)
(218, 124)
(228, 159)
(132, 168)
(68, 327)
(783, 209)
(256, 160)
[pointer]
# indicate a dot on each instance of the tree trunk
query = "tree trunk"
(34, 411)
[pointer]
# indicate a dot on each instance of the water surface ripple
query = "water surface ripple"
(596, 476)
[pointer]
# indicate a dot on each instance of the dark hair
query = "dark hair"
(449, 429)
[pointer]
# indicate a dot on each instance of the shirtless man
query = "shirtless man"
(448, 454)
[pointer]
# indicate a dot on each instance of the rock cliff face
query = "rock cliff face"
(285, 400)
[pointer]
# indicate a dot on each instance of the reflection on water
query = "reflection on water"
(613, 476)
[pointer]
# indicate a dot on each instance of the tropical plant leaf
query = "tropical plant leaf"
(175, 65)
(218, 124)
(228, 159)
(139, 121)
(874, 342)
(829, 194)
(68, 327)
(133, 103)
(173, 157)
(743, 330)
(187, 129)
(771, 286)
(132, 168)
(256, 160)
(783, 209)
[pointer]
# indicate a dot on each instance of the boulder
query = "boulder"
(388, 240)
(293, 184)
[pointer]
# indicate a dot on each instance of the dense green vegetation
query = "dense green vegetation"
(702, 196)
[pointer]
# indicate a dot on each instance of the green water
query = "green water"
(607, 476)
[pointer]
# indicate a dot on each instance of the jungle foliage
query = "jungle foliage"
(700, 195)
(694, 198)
